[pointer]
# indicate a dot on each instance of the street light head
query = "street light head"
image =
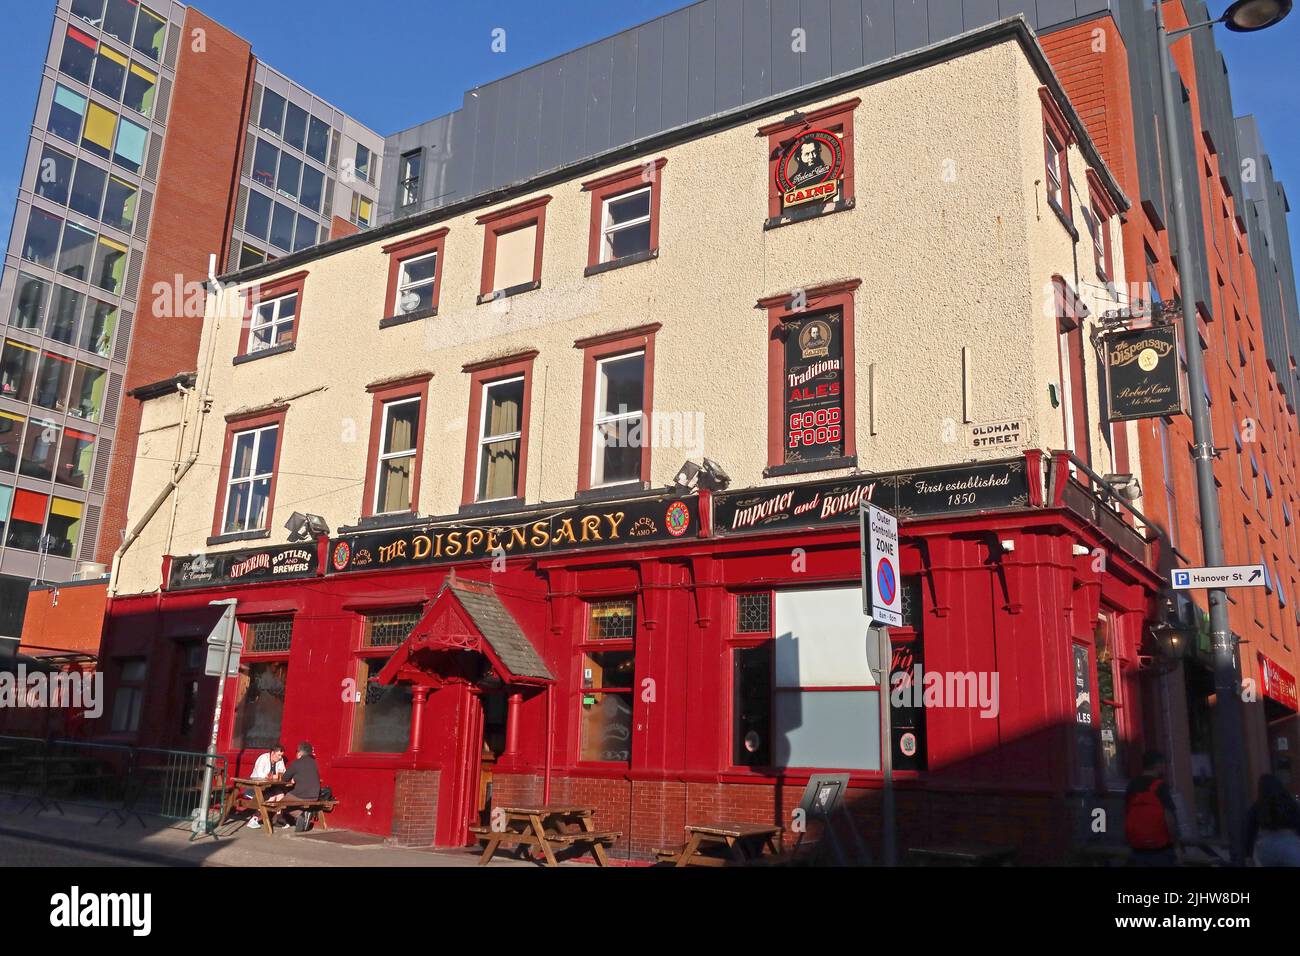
(1247, 16)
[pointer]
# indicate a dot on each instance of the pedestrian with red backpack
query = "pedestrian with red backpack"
(1150, 822)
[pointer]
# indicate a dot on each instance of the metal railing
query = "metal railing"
(119, 780)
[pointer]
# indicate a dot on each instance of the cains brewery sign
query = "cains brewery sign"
(809, 168)
(814, 387)
(915, 494)
(577, 527)
(243, 567)
(1143, 374)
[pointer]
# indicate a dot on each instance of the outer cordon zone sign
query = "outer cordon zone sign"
(1236, 576)
(881, 567)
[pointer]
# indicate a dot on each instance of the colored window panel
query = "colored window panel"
(76, 459)
(97, 330)
(98, 134)
(110, 72)
(78, 57)
(150, 29)
(29, 302)
(110, 265)
(86, 399)
(54, 176)
(62, 528)
(141, 86)
(52, 382)
(88, 189)
(66, 114)
(41, 243)
(38, 451)
(26, 518)
(129, 151)
(119, 203)
(65, 311)
(119, 19)
(6, 502)
(78, 247)
(250, 256)
(11, 440)
(17, 370)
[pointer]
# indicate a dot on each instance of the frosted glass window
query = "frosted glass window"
(821, 639)
(827, 730)
(515, 253)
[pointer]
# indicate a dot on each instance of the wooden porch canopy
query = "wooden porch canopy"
(467, 616)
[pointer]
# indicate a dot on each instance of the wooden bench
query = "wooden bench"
(544, 828)
(736, 842)
(318, 808)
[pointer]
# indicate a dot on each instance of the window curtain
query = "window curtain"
(502, 457)
(396, 495)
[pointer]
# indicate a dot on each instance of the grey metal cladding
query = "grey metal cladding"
(1192, 176)
(1137, 28)
(600, 94)
(846, 35)
(728, 54)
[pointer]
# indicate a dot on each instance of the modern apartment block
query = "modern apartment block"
(158, 139)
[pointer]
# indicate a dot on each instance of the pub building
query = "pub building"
(524, 594)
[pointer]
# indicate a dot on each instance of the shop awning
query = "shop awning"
(468, 616)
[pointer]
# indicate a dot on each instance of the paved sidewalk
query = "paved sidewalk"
(30, 839)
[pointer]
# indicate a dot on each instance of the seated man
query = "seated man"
(305, 777)
(269, 766)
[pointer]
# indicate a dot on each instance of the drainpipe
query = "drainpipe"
(550, 741)
(205, 402)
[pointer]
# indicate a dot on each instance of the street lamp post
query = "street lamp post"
(1244, 16)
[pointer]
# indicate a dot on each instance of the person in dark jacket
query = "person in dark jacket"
(1273, 826)
(304, 774)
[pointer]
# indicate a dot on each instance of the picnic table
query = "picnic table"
(267, 808)
(549, 828)
(722, 844)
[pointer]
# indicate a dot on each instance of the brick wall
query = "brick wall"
(415, 807)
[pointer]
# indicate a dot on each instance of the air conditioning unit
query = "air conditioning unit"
(90, 570)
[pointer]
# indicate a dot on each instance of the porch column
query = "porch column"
(417, 716)
(512, 724)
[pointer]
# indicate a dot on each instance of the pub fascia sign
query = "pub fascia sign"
(810, 167)
(1143, 374)
(259, 564)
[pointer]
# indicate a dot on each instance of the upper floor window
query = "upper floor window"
(271, 319)
(618, 374)
(496, 451)
(1098, 216)
(248, 482)
(408, 180)
(810, 163)
(396, 443)
(512, 249)
(624, 216)
(273, 322)
(1057, 138)
(414, 277)
(362, 210)
(361, 164)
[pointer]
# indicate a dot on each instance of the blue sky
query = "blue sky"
(415, 59)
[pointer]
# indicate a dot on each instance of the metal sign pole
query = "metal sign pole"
(885, 657)
(211, 758)
(886, 750)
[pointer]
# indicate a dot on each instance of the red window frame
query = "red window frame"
(507, 220)
(1104, 209)
(1056, 129)
(837, 117)
(415, 386)
(779, 308)
(485, 373)
(399, 252)
(271, 289)
(235, 425)
(248, 657)
(650, 174)
(588, 645)
(1069, 313)
(600, 347)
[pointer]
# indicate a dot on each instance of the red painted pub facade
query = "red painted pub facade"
(675, 659)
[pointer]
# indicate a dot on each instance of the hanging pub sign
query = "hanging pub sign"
(963, 489)
(1143, 374)
(814, 387)
(576, 527)
(810, 168)
(243, 567)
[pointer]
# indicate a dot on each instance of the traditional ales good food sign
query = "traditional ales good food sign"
(1143, 374)
(814, 387)
(810, 168)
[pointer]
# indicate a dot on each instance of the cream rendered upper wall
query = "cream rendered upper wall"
(944, 237)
